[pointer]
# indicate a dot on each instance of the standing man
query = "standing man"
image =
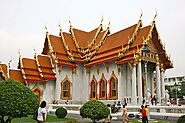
(144, 115)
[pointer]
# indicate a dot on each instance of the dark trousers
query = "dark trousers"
(144, 119)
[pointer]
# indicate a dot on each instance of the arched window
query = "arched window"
(65, 89)
(103, 89)
(93, 90)
(113, 94)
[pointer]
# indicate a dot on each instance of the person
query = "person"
(125, 120)
(146, 108)
(42, 113)
(66, 102)
(144, 115)
(158, 104)
(118, 106)
(168, 103)
(108, 119)
(55, 102)
(125, 102)
(114, 109)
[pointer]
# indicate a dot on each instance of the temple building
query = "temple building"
(79, 66)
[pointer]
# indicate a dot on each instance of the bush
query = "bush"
(61, 112)
(181, 119)
(94, 110)
(16, 101)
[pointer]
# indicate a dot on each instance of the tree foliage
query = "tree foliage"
(182, 89)
(16, 100)
(94, 110)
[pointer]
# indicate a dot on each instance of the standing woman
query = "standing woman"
(41, 118)
(125, 120)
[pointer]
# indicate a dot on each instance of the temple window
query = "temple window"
(93, 90)
(65, 90)
(103, 89)
(113, 88)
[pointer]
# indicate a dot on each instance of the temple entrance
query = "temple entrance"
(38, 92)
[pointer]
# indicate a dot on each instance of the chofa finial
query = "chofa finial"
(155, 15)
(141, 14)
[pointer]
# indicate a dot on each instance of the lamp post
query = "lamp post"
(176, 92)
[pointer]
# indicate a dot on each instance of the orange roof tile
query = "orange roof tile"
(65, 63)
(4, 69)
(31, 72)
(84, 38)
(44, 61)
(46, 70)
(118, 39)
(69, 41)
(34, 79)
(29, 63)
(48, 76)
(57, 44)
(142, 35)
(16, 75)
(107, 59)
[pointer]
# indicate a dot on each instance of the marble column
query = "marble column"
(162, 84)
(152, 84)
(158, 84)
(98, 91)
(134, 97)
(139, 79)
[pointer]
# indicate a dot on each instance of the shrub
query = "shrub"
(94, 110)
(181, 119)
(61, 112)
(16, 101)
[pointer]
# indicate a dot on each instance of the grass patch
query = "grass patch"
(48, 119)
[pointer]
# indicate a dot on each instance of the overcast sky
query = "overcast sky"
(22, 23)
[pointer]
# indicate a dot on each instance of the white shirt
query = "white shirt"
(40, 114)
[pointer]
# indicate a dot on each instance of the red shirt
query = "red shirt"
(144, 113)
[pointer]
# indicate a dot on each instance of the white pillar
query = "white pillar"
(152, 84)
(108, 89)
(139, 79)
(162, 84)
(98, 91)
(158, 86)
(134, 97)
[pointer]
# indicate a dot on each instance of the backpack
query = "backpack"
(35, 115)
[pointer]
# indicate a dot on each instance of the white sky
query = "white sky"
(22, 23)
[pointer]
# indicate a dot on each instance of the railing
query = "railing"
(162, 109)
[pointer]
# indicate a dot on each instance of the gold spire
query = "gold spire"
(155, 15)
(9, 62)
(102, 19)
(19, 52)
(70, 22)
(109, 23)
(141, 14)
(35, 54)
(46, 30)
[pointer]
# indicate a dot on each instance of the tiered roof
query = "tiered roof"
(99, 46)
(39, 69)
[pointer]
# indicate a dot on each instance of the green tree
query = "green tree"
(16, 101)
(182, 89)
(94, 110)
